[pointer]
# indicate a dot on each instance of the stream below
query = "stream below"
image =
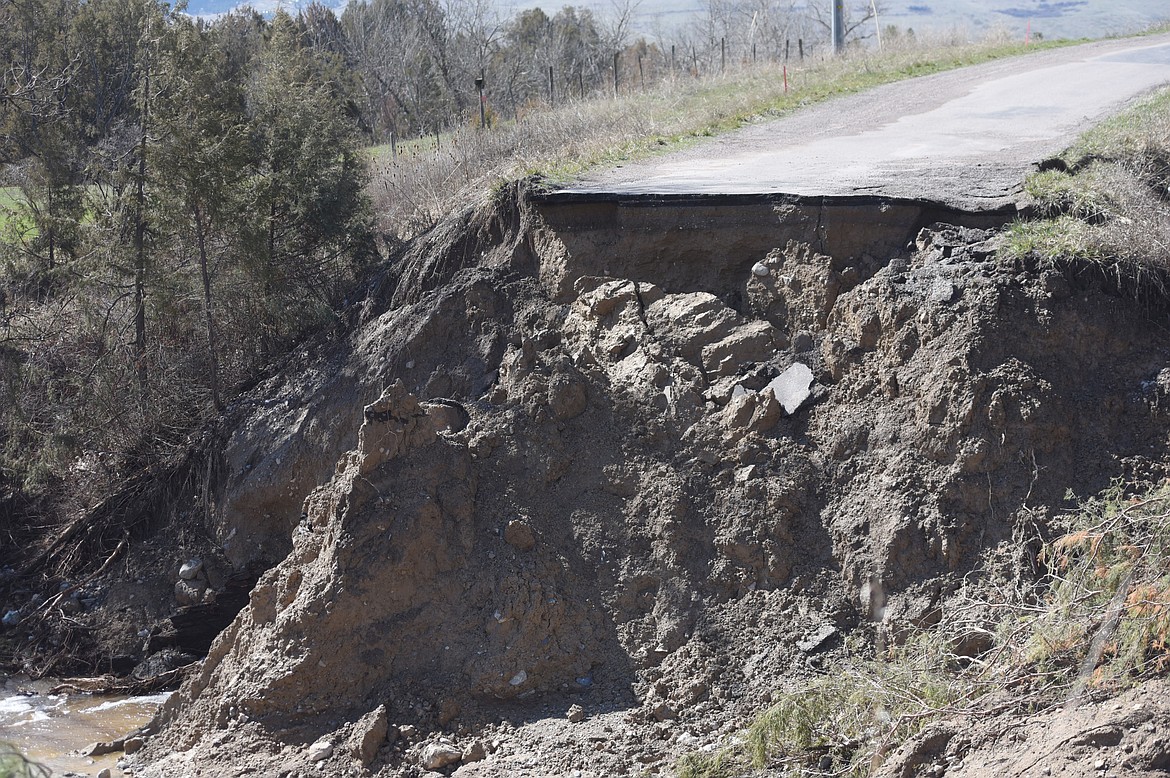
(51, 729)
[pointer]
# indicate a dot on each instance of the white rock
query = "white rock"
(320, 751)
(519, 678)
(759, 269)
(190, 569)
(792, 387)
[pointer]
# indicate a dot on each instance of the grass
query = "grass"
(1098, 620)
(1105, 199)
(412, 192)
(14, 765)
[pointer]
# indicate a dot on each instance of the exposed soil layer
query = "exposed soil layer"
(524, 485)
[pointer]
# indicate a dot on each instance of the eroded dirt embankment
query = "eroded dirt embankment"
(548, 472)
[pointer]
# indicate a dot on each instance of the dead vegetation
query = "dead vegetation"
(1097, 621)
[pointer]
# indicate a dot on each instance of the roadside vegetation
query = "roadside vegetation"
(1106, 200)
(1097, 619)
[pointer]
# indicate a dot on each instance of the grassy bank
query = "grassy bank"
(1104, 200)
(415, 190)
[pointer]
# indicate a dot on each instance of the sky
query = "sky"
(1050, 18)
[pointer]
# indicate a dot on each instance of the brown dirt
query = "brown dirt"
(495, 501)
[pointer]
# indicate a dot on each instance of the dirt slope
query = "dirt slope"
(493, 503)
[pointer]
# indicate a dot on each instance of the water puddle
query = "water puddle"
(50, 728)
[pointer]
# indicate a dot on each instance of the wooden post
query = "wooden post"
(641, 73)
(787, 48)
(722, 54)
(581, 83)
(800, 45)
(393, 146)
(551, 96)
(615, 74)
(753, 53)
(672, 60)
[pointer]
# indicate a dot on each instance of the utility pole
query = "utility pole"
(837, 28)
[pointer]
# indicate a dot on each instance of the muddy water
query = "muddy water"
(50, 729)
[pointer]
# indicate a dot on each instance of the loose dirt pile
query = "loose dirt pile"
(512, 531)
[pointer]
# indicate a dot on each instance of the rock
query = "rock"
(476, 752)
(133, 745)
(436, 756)
(792, 388)
(759, 270)
(446, 415)
(189, 592)
(567, 398)
(802, 341)
(320, 751)
(369, 733)
(408, 731)
(941, 291)
(754, 342)
(663, 711)
(816, 638)
(518, 678)
(576, 714)
(11, 618)
(104, 773)
(101, 749)
(191, 569)
(519, 535)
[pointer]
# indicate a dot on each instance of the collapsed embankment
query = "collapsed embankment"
(551, 470)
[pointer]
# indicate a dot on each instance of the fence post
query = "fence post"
(551, 97)
(615, 74)
(787, 48)
(722, 54)
(800, 45)
(641, 73)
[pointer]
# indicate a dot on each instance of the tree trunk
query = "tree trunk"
(209, 320)
(140, 255)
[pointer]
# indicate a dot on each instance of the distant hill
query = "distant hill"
(1048, 18)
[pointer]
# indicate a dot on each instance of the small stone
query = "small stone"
(519, 535)
(11, 618)
(408, 731)
(133, 745)
(662, 711)
(1099, 764)
(191, 569)
(436, 756)
(802, 341)
(104, 773)
(760, 270)
(476, 752)
(519, 678)
(320, 751)
(576, 714)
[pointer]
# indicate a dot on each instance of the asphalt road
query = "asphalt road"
(965, 138)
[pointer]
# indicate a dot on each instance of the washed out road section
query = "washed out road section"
(964, 138)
